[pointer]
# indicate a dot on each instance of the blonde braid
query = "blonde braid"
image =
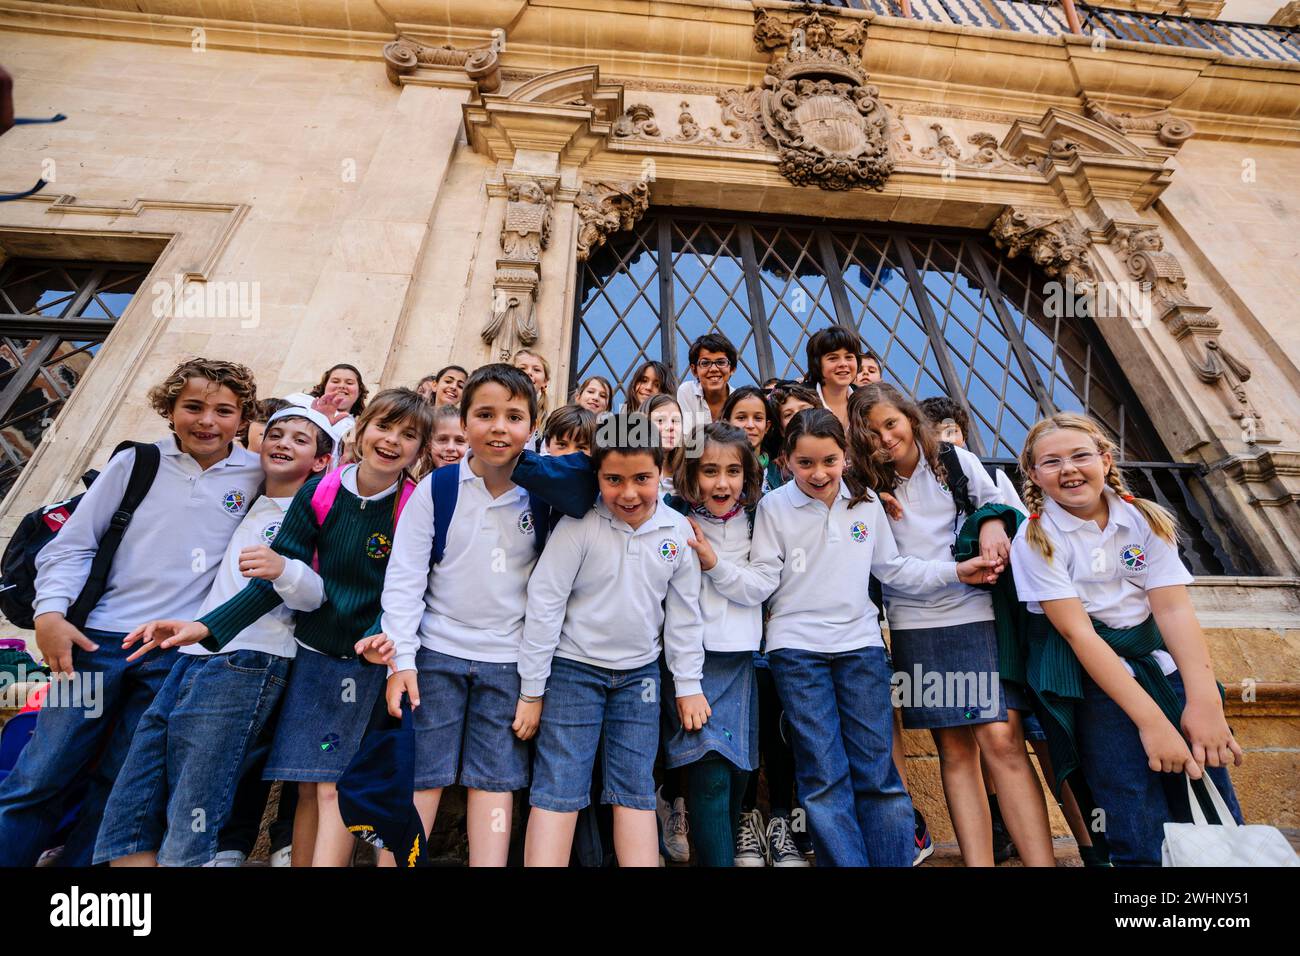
(1034, 534)
(1164, 524)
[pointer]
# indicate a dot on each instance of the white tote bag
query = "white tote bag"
(1201, 843)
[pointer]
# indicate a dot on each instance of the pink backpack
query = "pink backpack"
(322, 500)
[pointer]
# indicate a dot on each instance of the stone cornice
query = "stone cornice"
(710, 42)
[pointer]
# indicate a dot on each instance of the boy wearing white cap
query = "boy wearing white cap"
(177, 785)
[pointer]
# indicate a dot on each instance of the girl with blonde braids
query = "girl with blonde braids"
(1117, 658)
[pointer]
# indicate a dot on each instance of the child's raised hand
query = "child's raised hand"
(891, 506)
(1167, 751)
(260, 561)
(528, 714)
(693, 711)
(700, 544)
(377, 648)
(979, 570)
(994, 543)
(331, 406)
(403, 682)
(1212, 742)
(163, 635)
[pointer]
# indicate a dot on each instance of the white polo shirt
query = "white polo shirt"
(1109, 570)
(602, 593)
(300, 587)
(731, 595)
(819, 561)
(1010, 495)
(927, 530)
(170, 553)
(695, 410)
(471, 604)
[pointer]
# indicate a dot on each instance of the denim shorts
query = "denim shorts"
(462, 726)
(174, 792)
(328, 705)
(582, 702)
(948, 676)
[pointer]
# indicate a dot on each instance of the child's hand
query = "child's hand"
(891, 506)
(403, 682)
(377, 648)
(528, 714)
(1167, 751)
(260, 561)
(979, 570)
(1212, 742)
(55, 635)
(994, 543)
(331, 406)
(163, 635)
(703, 550)
(693, 711)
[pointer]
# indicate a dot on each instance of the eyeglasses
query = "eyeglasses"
(720, 364)
(1080, 460)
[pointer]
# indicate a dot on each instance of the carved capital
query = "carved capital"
(1053, 240)
(526, 230)
(604, 208)
(404, 56)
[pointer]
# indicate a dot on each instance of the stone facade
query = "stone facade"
(411, 192)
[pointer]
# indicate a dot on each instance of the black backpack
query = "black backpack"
(38, 528)
(958, 483)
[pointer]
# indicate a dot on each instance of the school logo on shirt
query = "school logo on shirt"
(858, 531)
(233, 501)
(1134, 558)
(378, 546)
(525, 523)
(270, 531)
(668, 549)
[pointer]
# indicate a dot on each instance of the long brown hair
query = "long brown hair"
(822, 423)
(874, 467)
(396, 406)
(1161, 521)
(686, 473)
(362, 392)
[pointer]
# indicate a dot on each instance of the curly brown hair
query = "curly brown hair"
(872, 466)
(238, 378)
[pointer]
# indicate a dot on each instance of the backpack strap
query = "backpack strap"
(143, 471)
(403, 495)
(445, 487)
(322, 499)
(958, 483)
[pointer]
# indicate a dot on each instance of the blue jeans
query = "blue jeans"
(178, 783)
(587, 706)
(838, 706)
(1136, 801)
(66, 741)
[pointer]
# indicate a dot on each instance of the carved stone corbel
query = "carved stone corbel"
(525, 234)
(604, 208)
(403, 56)
(1161, 276)
(1167, 128)
(1053, 240)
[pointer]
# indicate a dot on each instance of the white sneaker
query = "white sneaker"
(282, 856)
(50, 857)
(751, 841)
(781, 848)
(227, 858)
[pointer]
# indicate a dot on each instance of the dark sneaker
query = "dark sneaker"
(781, 848)
(924, 845)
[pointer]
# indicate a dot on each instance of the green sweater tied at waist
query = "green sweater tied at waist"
(1010, 619)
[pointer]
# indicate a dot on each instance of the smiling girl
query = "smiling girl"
(651, 378)
(346, 529)
(833, 361)
(750, 410)
(1117, 656)
(595, 394)
(951, 632)
(817, 540)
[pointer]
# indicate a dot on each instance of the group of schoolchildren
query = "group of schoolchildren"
(682, 591)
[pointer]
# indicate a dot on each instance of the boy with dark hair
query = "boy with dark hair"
(604, 590)
(713, 362)
(164, 565)
(568, 429)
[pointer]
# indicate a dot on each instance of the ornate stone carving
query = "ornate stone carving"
(404, 56)
(738, 126)
(1168, 128)
(986, 155)
(525, 233)
(604, 208)
(1161, 276)
(1053, 240)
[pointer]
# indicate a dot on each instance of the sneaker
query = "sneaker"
(802, 838)
(283, 856)
(1003, 848)
(227, 858)
(751, 840)
(672, 828)
(781, 848)
(924, 845)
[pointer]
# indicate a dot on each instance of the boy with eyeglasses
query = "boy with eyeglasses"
(713, 362)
